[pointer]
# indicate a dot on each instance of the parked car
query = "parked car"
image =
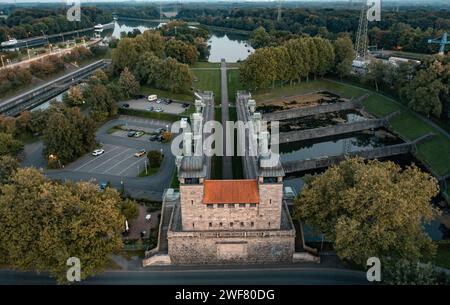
(152, 98)
(153, 137)
(140, 153)
(98, 152)
(151, 108)
(103, 186)
(159, 138)
(160, 130)
(185, 105)
(159, 109)
(131, 134)
(139, 134)
(125, 105)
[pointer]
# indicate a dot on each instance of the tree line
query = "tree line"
(24, 23)
(407, 29)
(156, 60)
(422, 87)
(293, 61)
(14, 78)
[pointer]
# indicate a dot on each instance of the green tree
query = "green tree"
(129, 209)
(9, 145)
(375, 73)
(181, 51)
(154, 158)
(370, 209)
(343, 49)
(70, 134)
(43, 223)
(404, 272)
(74, 97)
(103, 103)
(8, 166)
(258, 71)
(259, 38)
(128, 83)
(423, 93)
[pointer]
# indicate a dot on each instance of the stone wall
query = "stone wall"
(312, 110)
(300, 135)
(196, 248)
(199, 216)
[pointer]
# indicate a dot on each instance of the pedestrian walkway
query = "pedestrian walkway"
(227, 169)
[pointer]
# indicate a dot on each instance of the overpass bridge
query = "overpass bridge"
(30, 99)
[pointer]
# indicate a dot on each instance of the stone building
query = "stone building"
(226, 221)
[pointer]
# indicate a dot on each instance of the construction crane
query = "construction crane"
(442, 42)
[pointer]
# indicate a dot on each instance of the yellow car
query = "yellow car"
(140, 153)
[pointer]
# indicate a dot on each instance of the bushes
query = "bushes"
(11, 79)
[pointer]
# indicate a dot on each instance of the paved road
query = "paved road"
(144, 187)
(219, 275)
(227, 169)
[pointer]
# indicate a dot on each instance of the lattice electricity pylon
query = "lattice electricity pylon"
(442, 42)
(361, 36)
(279, 10)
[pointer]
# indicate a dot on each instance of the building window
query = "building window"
(220, 205)
(210, 206)
(210, 224)
(193, 225)
(242, 205)
(231, 224)
(192, 201)
(270, 179)
(252, 224)
(270, 201)
(269, 223)
(242, 224)
(253, 205)
(220, 224)
(231, 206)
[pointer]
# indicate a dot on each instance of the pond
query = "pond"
(232, 47)
(337, 145)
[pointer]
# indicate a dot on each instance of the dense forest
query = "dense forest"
(23, 23)
(408, 29)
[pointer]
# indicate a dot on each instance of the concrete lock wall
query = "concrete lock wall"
(301, 165)
(300, 135)
(313, 110)
(196, 248)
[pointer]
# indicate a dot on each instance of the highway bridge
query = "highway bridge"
(30, 99)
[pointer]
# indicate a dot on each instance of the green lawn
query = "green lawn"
(233, 84)
(208, 80)
(147, 90)
(204, 64)
(435, 152)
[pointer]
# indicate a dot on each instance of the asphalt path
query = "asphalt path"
(214, 275)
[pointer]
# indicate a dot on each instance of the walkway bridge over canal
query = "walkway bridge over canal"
(30, 99)
(379, 152)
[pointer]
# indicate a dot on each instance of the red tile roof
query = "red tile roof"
(230, 191)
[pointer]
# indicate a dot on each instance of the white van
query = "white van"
(152, 98)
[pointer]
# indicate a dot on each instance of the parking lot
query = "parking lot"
(116, 161)
(144, 104)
